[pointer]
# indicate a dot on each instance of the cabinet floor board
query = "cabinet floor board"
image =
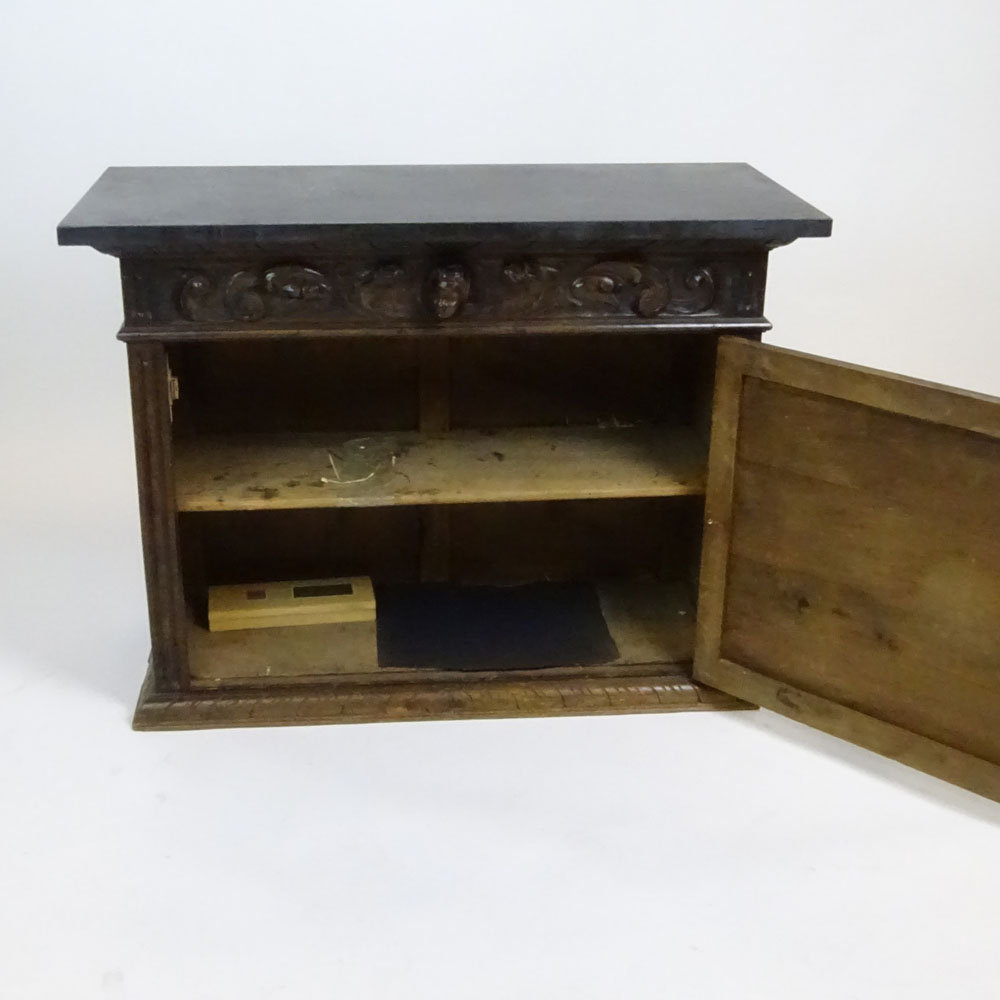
(652, 625)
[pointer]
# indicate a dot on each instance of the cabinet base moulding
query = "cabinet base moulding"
(461, 699)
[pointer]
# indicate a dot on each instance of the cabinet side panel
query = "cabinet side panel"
(148, 378)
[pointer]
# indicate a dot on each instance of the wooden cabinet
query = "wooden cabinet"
(503, 394)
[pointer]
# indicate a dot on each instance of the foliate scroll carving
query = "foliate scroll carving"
(604, 284)
(654, 294)
(249, 296)
(481, 288)
(290, 281)
(192, 298)
(447, 290)
(643, 288)
(242, 297)
(699, 292)
(385, 290)
(528, 285)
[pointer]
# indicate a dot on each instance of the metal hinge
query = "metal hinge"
(173, 391)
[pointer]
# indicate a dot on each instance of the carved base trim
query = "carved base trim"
(473, 699)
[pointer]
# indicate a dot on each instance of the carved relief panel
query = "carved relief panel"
(329, 291)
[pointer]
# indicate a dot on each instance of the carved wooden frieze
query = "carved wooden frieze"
(528, 286)
(384, 291)
(324, 291)
(645, 289)
(249, 296)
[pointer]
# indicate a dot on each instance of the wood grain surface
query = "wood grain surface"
(265, 472)
(851, 577)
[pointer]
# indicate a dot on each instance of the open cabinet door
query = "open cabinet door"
(851, 565)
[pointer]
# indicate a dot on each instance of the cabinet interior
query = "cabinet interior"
(449, 470)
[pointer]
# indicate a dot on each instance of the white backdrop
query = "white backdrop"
(695, 856)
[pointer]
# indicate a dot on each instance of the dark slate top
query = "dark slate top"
(134, 209)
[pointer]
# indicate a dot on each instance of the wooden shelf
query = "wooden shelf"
(651, 623)
(271, 472)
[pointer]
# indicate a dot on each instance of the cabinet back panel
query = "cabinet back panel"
(575, 540)
(398, 383)
(349, 383)
(486, 543)
(257, 546)
(558, 380)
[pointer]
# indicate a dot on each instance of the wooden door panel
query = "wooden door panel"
(851, 571)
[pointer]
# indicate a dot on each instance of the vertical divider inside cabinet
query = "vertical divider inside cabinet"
(435, 417)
